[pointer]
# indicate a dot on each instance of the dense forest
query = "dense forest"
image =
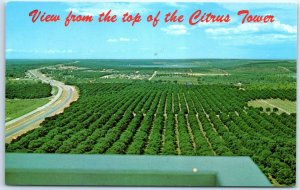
(27, 90)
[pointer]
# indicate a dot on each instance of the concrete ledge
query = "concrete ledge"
(131, 170)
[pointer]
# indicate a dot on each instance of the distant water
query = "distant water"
(163, 66)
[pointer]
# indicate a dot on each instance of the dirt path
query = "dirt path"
(163, 134)
(179, 104)
(224, 73)
(166, 103)
(204, 134)
(153, 75)
(177, 136)
(225, 126)
(211, 124)
(186, 104)
(284, 68)
(172, 103)
(190, 132)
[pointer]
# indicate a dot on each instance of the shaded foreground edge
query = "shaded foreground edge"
(131, 170)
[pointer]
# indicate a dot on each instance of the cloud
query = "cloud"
(257, 6)
(45, 51)
(210, 24)
(94, 9)
(124, 39)
(176, 29)
(176, 4)
(285, 27)
(233, 21)
(253, 28)
(114, 40)
(254, 34)
(250, 28)
(255, 39)
(183, 48)
(9, 50)
(57, 51)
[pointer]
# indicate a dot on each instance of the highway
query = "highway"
(65, 95)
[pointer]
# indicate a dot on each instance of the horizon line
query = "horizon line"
(294, 59)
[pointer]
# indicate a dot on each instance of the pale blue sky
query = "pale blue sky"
(27, 40)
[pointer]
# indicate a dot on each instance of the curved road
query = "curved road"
(66, 94)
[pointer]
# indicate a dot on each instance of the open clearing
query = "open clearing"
(282, 105)
(178, 79)
(17, 107)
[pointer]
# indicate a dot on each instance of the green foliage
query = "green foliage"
(145, 117)
(17, 68)
(27, 90)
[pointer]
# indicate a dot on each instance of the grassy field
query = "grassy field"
(282, 105)
(54, 90)
(18, 107)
